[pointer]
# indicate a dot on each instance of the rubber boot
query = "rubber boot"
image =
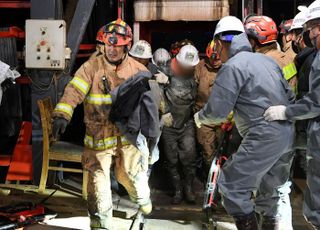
(189, 195)
(177, 197)
(270, 223)
(246, 222)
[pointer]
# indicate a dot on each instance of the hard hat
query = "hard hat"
(141, 49)
(313, 11)
(263, 28)
(188, 56)
(160, 57)
(229, 23)
(175, 47)
(285, 26)
(101, 34)
(299, 19)
(118, 33)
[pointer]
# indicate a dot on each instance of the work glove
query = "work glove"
(274, 113)
(197, 120)
(161, 78)
(59, 126)
(167, 119)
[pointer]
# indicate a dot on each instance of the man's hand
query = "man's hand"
(197, 120)
(167, 119)
(274, 113)
(59, 126)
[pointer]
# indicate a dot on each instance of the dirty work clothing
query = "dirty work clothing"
(207, 136)
(205, 75)
(309, 108)
(180, 97)
(102, 136)
(88, 87)
(179, 146)
(130, 167)
(286, 63)
(249, 83)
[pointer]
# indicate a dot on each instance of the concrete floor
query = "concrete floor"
(72, 213)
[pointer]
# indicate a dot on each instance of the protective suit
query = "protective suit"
(248, 83)
(207, 135)
(179, 139)
(103, 141)
(309, 108)
(288, 51)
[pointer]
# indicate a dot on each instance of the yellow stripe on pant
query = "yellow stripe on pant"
(102, 144)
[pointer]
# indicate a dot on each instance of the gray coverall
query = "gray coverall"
(248, 84)
(309, 108)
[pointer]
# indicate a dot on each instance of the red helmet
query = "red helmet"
(175, 47)
(263, 28)
(117, 33)
(210, 52)
(285, 26)
(100, 35)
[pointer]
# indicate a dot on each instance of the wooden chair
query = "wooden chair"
(57, 150)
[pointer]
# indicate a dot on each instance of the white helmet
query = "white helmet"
(313, 11)
(229, 23)
(188, 56)
(299, 19)
(141, 49)
(160, 57)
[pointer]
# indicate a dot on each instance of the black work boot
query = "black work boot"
(189, 195)
(270, 223)
(246, 222)
(177, 197)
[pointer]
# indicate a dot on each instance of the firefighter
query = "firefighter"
(262, 32)
(247, 84)
(178, 135)
(205, 75)
(141, 51)
(308, 107)
(161, 57)
(286, 38)
(103, 141)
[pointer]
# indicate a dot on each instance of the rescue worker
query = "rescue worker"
(308, 107)
(103, 141)
(100, 42)
(286, 38)
(161, 57)
(205, 75)
(262, 32)
(178, 134)
(141, 51)
(247, 84)
(304, 59)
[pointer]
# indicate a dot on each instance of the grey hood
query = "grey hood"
(239, 43)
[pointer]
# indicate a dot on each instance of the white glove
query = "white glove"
(197, 120)
(161, 78)
(167, 119)
(277, 112)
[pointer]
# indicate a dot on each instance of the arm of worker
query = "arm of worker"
(74, 94)
(306, 108)
(223, 96)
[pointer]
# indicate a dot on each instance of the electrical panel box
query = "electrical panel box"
(46, 44)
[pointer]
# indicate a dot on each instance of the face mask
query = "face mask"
(295, 47)
(307, 39)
